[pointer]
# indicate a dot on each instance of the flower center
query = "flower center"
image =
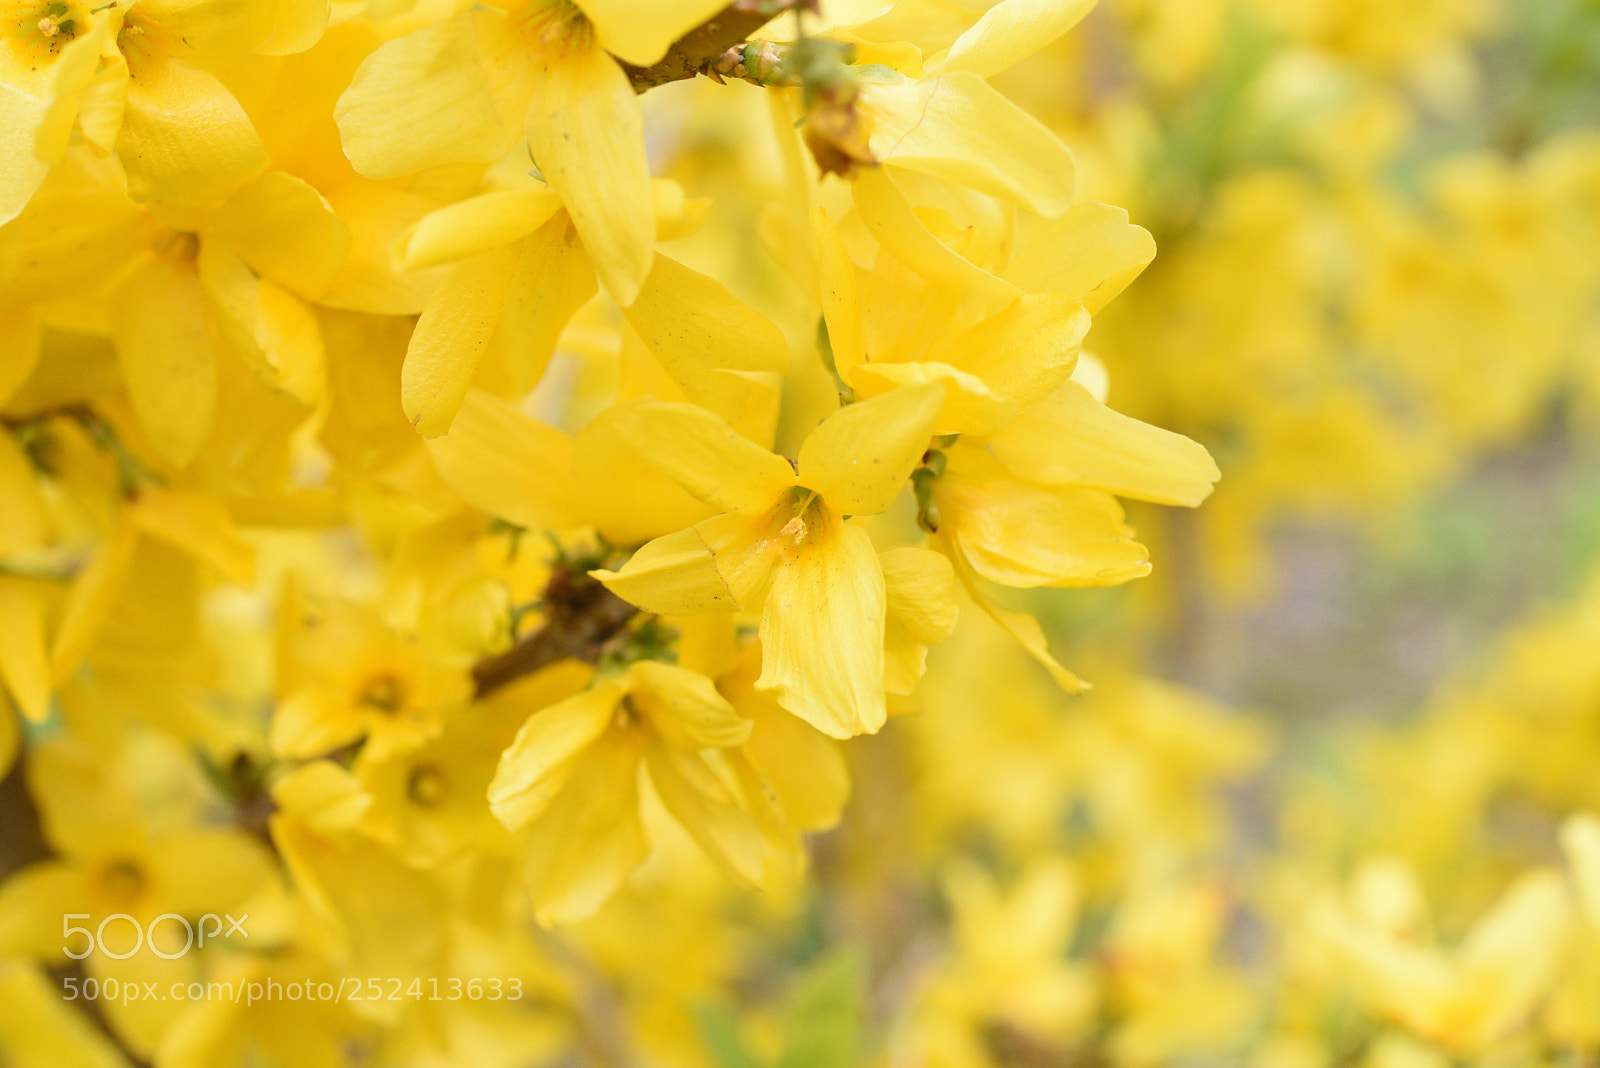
(427, 786)
(122, 880)
(384, 691)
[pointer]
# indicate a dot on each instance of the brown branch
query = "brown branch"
(581, 617)
(689, 55)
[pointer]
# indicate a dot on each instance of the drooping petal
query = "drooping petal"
(450, 339)
(1021, 535)
(822, 632)
(1021, 626)
(584, 845)
(553, 279)
(168, 355)
(805, 769)
(721, 564)
(702, 804)
(1010, 31)
(1071, 439)
(24, 663)
(586, 132)
(185, 139)
(640, 31)
(285, 231)
(539, 762)
(841, 308)
(707, 457)
(1090, 254)
(474, 225)
(423, 100)
(890, 219)
(506, 463)
(859, 458)
(684, 707)
(957, 127)
(919, 587)
(696, 329)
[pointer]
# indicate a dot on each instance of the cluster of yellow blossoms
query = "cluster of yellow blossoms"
(480, 484)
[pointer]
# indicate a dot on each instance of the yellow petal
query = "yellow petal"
(185, 139)
(1021, 535)
(506, 463)
(677, 574)
(21, 170)
(104, 103)
(324, 795)
(860, 457)
(640, 31)
(94, 593)
(69, 77)
(285, 231)
(200, 526)
(586, 132)
(1025, 351)
(1011, 31)
(707, 457)
(287, 333)
(271, 329)
(896, 227)
(423, 100)
(1512, 955)
(970, 406)
(584, 845)
(696, 329)
(450, 339)
(803, 768)
(684, 707)
(822, 632)
(168, 355)
(919, 587)
(622, 494)
(24, 664)
(841, 309)
(536, 766)
(1090, 254)
(212, 31)
(377, 215)
(27, 518)
(702, 804)
(958, 128)
(553, 279)
(1070, 438)
(1580, 837)
(474, 225)
(19, 340)
(313, 722)
(1021, 626)
(39, 1029)
(299, 25)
